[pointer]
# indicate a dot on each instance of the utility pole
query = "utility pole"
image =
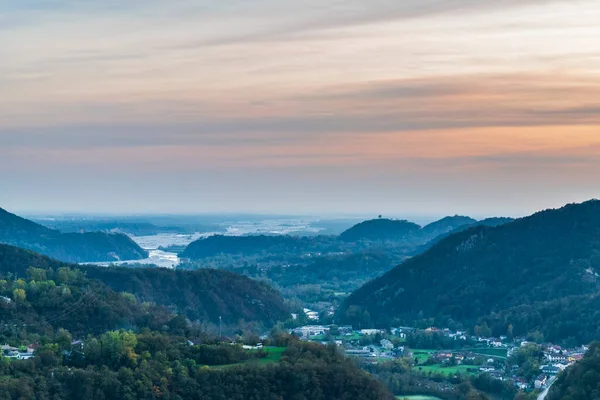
(220, 323)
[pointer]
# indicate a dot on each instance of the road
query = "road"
(543, 395)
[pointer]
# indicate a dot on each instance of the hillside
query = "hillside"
(201, 295)
(121, 365)
(39, 293)
(380, 229)
(495, 221)
(70, 247)
(536, 273)
(254, 244)
(447, 224)
(581, 381)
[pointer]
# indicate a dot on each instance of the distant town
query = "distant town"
(499, 358)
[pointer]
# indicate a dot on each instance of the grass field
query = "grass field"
(275, 354)
(492, 352)
(422, 354)
(439, 369)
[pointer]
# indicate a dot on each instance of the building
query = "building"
(372, 331)
(550, 369)
(561, 358)
(310, 330)
(540, 381)
(310, 314)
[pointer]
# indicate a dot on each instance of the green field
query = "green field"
(439, 369)
(275, 354)
(422, 354)
(493, 352)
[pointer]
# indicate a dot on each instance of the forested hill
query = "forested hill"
(71, 247)
(399, 238)
(201, 295)
(380, 229)
(539, 273)
(204, 294)
(581, 381)
(495, 221)
(255, 244)
(447, 224)
(40, 294)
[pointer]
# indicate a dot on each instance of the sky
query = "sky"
(424, 107)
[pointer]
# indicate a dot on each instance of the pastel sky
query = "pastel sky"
(480, 107)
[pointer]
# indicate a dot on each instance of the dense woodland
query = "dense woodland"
(319, 271)
(258, 244)
(398, 237)
(70, 247)
(136, 350)
(381, 229)
(536, 274)
(152, 365)
(581, 381)
(202, 295)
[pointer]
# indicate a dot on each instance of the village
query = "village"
(527, 365)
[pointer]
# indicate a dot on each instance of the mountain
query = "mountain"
(447, 224)
(580, 381)
(70, 247)
(380, 229)
(539, 273)
(344, 273)
(39, 293)
(494, 221)
(203, 295)
(252, 245)
(121, 365)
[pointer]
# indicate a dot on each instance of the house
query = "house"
(404, 329)
(310, 314)
(310, 330)
(521, 384)
(497, 375)
(5, 299)
(540, 381)
(369, 332)
(561, 366)
(359, 353)
(398, 332)
(6, 347)
(550, 369)
(345, 329)
(557, 358)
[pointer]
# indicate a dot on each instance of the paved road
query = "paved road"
(543, 395)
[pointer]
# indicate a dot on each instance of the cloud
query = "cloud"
(435, 103)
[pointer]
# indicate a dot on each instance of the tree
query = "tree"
(36, 274)
(483, 330)
(63, 339)
(19, 295)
